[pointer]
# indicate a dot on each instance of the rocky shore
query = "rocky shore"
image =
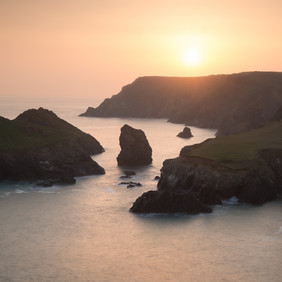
(247, 166)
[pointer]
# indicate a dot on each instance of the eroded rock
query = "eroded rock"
(135, 148)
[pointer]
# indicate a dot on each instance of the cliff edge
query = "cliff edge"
(231, 103)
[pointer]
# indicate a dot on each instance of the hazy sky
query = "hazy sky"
(88, 49)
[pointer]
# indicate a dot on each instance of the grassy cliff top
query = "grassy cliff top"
(236, 151)
(35, 129)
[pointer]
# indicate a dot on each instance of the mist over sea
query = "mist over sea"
(85, 232)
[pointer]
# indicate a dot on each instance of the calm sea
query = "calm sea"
(84, 232)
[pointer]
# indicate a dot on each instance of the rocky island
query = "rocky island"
(231, 103)
(38, 145)
(135, 148)
(186, 133)
(247, 166)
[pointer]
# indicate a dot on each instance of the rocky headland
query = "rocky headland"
(39, 146)
(231, 103)
(247, 166)
(135, 148)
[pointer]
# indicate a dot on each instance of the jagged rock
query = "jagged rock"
(212, 182)
(135, 148)
(169, 202)
(186, 133)
(247, 166)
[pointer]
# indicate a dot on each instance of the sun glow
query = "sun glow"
(192, 57)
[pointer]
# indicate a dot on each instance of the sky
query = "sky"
(85, 50)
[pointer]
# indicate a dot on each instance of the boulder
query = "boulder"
(131, 184)
(169, 202)
(186, 133)
(135, 148)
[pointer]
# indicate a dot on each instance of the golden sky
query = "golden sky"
(87, 49)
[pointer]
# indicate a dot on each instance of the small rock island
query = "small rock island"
(39, 146)
(186, 133)
(135, 148)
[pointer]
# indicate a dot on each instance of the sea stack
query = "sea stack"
(135, 148)
(186, 133)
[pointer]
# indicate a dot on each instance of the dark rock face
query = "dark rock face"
(186, 133)
(212, 182)
(135, 148)
(59, 161)
(169, 202)
(244, 100)
(189, 184)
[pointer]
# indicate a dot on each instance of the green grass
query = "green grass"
(238, 150)
(16, 135)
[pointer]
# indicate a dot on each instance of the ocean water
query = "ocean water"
(85, 232)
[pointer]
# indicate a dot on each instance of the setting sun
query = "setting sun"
(192, 57)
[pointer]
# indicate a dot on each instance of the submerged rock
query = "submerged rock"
(129, 172)
(186, 133)
(135, 148)
(131, 184)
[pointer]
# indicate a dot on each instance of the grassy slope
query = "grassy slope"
(236, 151)
(17, 135)
(34, 129)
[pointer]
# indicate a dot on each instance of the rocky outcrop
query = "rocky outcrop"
(135, 148)
(231, 103)
(169, 202)
(192, 185)
(186, 133)
(247, 166)
(213, 182)
(38, 145)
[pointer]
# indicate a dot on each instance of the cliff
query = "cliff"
(38, 145)
(247, 166)
(231, 103)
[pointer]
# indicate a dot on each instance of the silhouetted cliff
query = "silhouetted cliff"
(231, 103)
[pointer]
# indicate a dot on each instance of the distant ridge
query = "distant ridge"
(231, 103)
